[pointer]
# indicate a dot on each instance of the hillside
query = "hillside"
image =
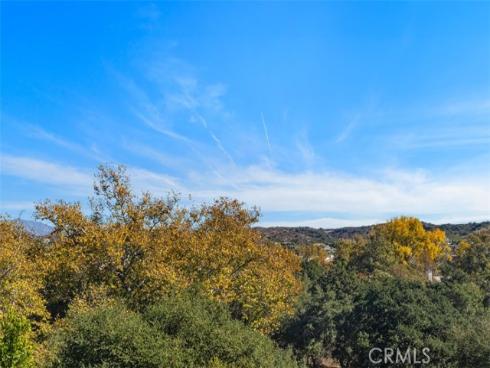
(309, 235)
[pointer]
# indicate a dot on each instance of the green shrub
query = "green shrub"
(395, 313)
(181, 331)
(212, 337)
(16, 347)
(112, 336)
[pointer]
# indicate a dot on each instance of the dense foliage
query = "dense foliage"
(139, 249)
(377, 294)
(16, 345)
(180, 331)
(139, 281)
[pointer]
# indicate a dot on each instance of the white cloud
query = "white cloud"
(305, 149)
(42, 134)
(183, 96)
(155, 155)
(358, 200)
(78, 181)
(474, 107)
(390, 193)
(71, 178)
(457, 219)
(155, 183)
(16, 206)
(450, 135)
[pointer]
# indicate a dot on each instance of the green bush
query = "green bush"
(112, 336)
(394, 313)
(181, 331)
(16, 347)
(312, 332)
(472, 337)
(212, 337)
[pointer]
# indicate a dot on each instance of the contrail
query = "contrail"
(266, 134)
(215, 139)
(222, 149)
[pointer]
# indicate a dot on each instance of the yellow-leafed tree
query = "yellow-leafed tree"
(141, 248)
(413, 245)
(20, 274)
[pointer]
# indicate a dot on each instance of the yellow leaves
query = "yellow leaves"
(316, 252)
(266, 288)
(20, 276)
(412, 243)
(348, 249)
(224, 255)
(142, 248)
(463, 246)
(405, 252)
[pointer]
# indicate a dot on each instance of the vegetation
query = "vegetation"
(140, 249)
(307, 235)
(139, 281)
(16, 346)
(376, 294)
(180, 331)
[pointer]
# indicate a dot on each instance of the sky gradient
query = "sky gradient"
(322, 114)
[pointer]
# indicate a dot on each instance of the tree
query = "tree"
(184, 330)
(315, 252)
(398, 314)
(16, 346)
(413, 246)
(111, 336)
(471, 337)
(313, 331)
(142, 249)
(210, 335)
(21, 274)
(472, 262)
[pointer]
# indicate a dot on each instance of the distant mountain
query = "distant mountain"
(36, 228)
(307, 235)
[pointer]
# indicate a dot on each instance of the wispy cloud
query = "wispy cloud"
(355, 118)
(186, 96)
(463, 107)
(78, 181)
(16, 206)
(390, 193)
(452, 135)
(67, 177)
(357, 200)
(151, 116)
(155, 124)
(306, 149)
(184, 93)
(158, 184)
(156, 155)
(40, 133)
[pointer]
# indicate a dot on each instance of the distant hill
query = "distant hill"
(307, 235)
(36, 228)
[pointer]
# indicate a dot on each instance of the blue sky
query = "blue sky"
(321, 114)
